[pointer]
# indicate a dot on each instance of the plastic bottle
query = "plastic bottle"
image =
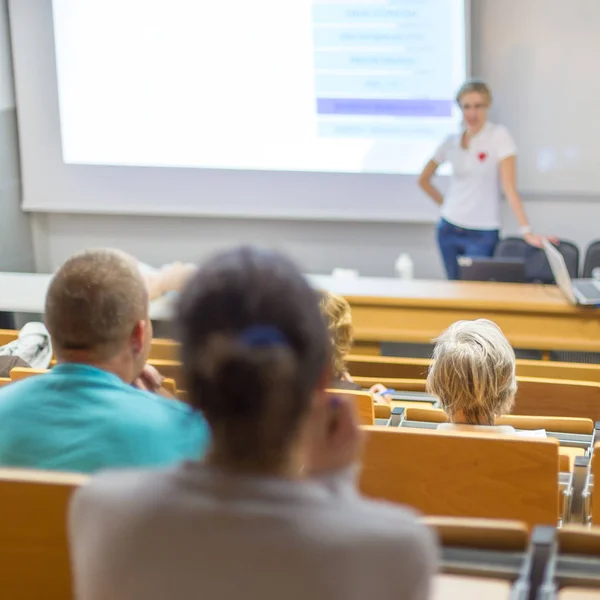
(404, 266)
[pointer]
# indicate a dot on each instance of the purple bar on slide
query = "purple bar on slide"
(384, 107)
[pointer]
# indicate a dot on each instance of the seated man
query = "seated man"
(85, 415)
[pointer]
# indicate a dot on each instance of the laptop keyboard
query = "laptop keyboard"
(589, 290)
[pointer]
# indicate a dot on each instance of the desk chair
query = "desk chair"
(34, 556)
(592, 259)
(537, 268)
(7, 320)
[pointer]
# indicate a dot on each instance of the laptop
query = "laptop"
(585, 292)
(507, 270)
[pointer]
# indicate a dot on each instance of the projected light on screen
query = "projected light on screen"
(294, 85)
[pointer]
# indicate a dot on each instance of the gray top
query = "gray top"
(195, 532)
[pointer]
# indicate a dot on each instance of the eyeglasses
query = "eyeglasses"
(464, 107)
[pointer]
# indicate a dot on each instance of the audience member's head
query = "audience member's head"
(336, 311)
(255, 356)
(473, 372)
(97, 312)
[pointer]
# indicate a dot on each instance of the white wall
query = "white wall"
(370, 248)
(7, 92)
(16, 252)
(318, 246)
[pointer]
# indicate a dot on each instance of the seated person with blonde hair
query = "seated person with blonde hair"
(85, 415)
(338, 318)
(473, 376)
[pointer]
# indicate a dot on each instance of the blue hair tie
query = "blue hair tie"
(261, 336)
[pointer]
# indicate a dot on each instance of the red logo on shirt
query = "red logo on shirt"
(482, 156)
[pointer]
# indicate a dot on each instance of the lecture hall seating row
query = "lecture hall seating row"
(479, 558)
(534, 480)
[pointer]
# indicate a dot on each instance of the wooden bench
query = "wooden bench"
(576, 562)
(460, 587)
(579, 594)
(7, 336)
(482, 534)
(557, 424)
(416, 368)
(459, 474)
(34, 557)
(578, 540)
(567, 455)
(19, 373)
(535, 397)
(163, 349)
(558, 398)
(365, 406)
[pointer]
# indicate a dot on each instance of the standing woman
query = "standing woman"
(483, 159)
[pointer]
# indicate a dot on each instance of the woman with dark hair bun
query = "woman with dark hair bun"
(273, 511)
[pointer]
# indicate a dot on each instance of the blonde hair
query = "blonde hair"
(473, 372)
(338, 315)
(474, 86)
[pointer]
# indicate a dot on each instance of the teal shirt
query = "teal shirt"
(79, 418)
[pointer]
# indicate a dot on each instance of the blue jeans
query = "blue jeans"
(457, 241)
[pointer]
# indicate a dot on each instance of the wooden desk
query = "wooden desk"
(392, 310)
(531, 316)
